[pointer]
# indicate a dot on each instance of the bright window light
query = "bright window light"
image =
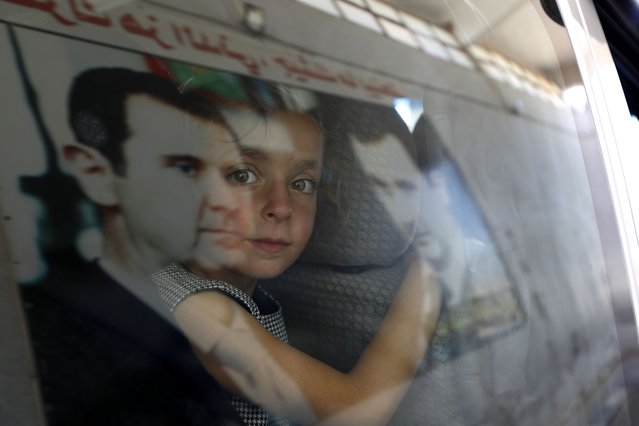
(409, 110)
(461, 58)
(416, 24)
(402, 106)
(501, 61)
(382, 9)
(326, 6)
(576, 97)
(514, 81)
(529, 88)
(399, 33)
(445, 36)
(359, 16)
(558, 103)
(479, 53)
(517, 69)
(495, 72)
(434, 48)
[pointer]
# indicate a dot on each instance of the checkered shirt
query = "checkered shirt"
(175, 283)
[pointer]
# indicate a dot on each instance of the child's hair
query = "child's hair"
(262, 97)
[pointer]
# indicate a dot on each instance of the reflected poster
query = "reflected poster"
(388, 189)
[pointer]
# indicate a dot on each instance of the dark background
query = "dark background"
(620, 22)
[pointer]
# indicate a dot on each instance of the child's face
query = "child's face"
(260, 222)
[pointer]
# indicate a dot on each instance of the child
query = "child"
(254, 228)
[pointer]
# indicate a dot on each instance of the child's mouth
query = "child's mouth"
(270, 245)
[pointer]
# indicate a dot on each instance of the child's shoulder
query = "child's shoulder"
(213, 305)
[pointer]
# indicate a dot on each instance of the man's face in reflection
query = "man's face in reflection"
(171, 164)
(395, 177)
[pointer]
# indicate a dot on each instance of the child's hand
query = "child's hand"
(420, 271)
(428, 249)
(424, 246)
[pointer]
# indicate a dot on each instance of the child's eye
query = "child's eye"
(242, 176)
(307, 186)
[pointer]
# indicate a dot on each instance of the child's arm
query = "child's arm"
(247, 360)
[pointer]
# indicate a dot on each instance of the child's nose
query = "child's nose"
(277, 205)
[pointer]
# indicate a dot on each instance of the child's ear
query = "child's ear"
(93, 173)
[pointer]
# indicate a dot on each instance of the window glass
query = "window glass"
(398, 33)
(324, 5)
(185, 187)
(359, 16)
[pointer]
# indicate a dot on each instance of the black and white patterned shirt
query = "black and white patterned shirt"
(176, 282)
